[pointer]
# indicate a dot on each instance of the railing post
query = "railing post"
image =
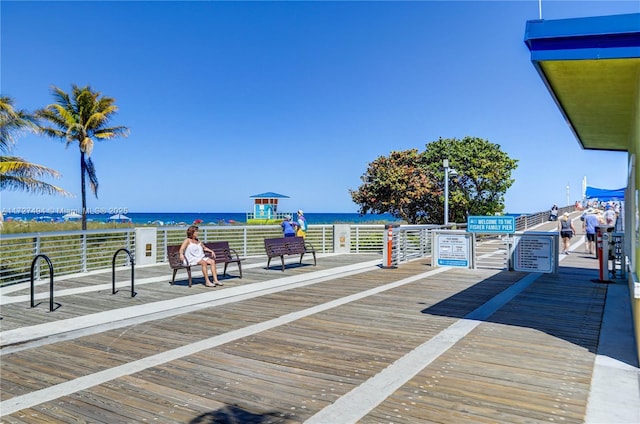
(36, 252)
(165, 243)
(244, 241)
(83, 249)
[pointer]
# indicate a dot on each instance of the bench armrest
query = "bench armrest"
(233, 254)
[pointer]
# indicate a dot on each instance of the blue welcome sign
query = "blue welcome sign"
(491, 224)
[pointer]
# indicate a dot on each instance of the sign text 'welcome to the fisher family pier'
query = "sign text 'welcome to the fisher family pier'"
(491, 224)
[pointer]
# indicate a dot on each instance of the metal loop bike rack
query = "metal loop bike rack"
(113, 271)
(33, 264)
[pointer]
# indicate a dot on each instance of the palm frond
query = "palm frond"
(19, 175)
(20, 183)
(93, 177)
(13, 123)
(61, 97)
(113, 132)
(11, 165)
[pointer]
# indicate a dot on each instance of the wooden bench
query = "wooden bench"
(224, 254)
(288, 246)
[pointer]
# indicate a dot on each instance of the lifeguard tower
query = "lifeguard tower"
(265, 207)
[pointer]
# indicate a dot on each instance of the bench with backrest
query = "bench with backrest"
(224, 254)
(284, 246)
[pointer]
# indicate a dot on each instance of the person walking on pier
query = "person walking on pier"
(553, 215)
(589, 225)
(610, 216)
(567, 230)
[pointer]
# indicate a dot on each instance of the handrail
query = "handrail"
(33, 264)
(113, 271)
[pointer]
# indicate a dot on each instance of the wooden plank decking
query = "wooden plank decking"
(284, 356)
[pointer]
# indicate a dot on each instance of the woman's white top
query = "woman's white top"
(194, 253)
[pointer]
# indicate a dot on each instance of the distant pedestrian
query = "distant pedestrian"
(589, 225)
(553, 215)
(567, 230)
(610, 216)
(302, 224)
(287, 227)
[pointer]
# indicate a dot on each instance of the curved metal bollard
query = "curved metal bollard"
(33, 264)
(113, 271)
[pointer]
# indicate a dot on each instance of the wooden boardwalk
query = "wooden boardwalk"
(342, 342)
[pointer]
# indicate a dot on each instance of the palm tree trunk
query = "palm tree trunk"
(83, 171)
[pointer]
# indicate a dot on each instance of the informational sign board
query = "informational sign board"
(534, 254)
(452, 250)
(491, 224)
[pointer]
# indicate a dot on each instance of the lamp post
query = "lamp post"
(447, 171)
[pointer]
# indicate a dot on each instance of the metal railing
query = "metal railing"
(70, 251)
(524, 222)
(83, 251)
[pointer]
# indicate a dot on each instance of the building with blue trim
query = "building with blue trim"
(591, 68)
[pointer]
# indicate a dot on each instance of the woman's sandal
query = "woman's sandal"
(218, 284)
(209, 285)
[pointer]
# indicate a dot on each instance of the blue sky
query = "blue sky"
(230, 99)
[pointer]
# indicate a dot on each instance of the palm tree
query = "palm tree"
(16, 173)
(82, 117)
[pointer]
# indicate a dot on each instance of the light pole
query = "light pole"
(447, 171)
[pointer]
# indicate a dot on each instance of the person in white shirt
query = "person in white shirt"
(192, 252)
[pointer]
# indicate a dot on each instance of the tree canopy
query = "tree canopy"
(410, 184)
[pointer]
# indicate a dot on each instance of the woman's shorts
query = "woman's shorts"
(591, 237)
(566, 234)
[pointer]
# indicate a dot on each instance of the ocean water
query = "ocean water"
(212, 218)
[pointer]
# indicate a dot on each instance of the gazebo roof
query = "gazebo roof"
(269, 195)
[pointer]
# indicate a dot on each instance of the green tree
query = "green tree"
(82, 117)
(410, 185)
(16, 173)
(400, 184)
(484, 175)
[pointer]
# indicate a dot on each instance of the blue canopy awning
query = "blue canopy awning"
(604, 194)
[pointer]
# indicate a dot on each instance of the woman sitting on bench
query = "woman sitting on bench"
(192, 253)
